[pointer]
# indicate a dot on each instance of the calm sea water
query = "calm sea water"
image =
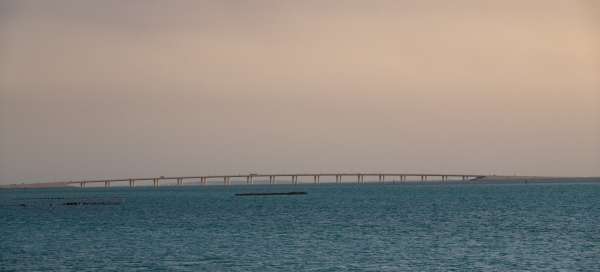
(484, 227)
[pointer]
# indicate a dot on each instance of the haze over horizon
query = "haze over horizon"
(93, 89)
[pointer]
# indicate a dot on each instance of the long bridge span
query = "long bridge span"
(304, 178)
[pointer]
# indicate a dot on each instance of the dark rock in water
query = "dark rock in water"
(84, 202)
(268, 194)
(91, 203)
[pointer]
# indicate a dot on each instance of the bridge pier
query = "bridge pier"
(82, 184)
(131, 183)
(316, 179)
(294, 180)
(106, 184)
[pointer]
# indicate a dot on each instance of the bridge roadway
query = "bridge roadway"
(273, 178)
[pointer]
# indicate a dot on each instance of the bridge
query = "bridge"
(315, 178)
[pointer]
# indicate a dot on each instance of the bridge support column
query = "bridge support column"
(82, 184)
(294, 180)
(106, 184)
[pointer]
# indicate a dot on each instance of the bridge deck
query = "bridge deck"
(273, 177)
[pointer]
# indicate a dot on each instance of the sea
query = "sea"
(347, 227)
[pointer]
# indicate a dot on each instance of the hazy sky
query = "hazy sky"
(92, 89)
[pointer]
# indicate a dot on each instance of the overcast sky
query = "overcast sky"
(92, 89)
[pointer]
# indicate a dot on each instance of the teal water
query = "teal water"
(482, 227)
